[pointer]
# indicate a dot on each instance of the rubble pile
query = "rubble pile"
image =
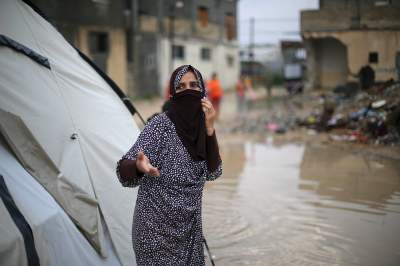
(367, 117)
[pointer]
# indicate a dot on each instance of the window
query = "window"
(205, 54)
(98, 42)
(230, 30)
(373, 57)
(230, 60)
(202, 16)
(178, 52)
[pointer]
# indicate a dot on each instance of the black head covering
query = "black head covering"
(186, 113)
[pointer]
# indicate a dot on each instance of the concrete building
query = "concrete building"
(266, 61)
(172, 33)
(139, 42)
(294, 67)
(98, 28)
(344, 35)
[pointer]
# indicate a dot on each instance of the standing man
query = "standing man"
(215, 92)
(366, 76)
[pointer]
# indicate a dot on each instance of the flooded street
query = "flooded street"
(295, 199)
(302, 205)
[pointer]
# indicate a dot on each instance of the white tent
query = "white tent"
(63, 127)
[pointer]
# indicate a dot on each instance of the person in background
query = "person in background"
(215, 92)
(173, 157)
(241, 89)
(366, 77)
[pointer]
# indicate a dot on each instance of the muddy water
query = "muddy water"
(303, 205)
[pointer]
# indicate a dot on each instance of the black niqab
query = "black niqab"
(187, 115)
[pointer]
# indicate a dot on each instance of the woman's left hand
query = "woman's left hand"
(210, 115)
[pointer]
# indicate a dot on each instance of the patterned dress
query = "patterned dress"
(167, 222)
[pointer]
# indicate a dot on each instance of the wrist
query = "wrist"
(210, 131)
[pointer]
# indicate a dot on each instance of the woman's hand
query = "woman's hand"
(144, 166)
(210, 115)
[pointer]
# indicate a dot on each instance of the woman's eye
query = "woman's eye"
(194, 85)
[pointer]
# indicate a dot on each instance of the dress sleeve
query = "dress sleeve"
(150, 142)
(214, 162)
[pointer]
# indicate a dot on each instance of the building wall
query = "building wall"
(76, 19)
(218, 62)
(116, 65)
(359, 44)
(351, 15)
(364, 27)
(332, 56)
(155, 35)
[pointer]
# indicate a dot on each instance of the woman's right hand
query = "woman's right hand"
(144, 166)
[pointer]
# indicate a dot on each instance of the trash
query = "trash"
(311, 132)
(358, 114)
(281, 130)
(342, 137)
(378, 104)
(347, 90)
(272, 127)
(357, 135)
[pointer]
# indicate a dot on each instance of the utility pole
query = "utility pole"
(172, 15)
(134, 46)
(251, 46)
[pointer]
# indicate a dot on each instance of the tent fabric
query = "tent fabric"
(74, 201)
(57, 240)
(21, 223)
(4, 40)
(12, 246)
(51, 129)
(112, 84)
(71, 99)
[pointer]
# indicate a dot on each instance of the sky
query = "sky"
(274, 19)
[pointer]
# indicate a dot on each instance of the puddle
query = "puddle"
(302, 205)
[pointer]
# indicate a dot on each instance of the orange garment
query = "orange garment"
(214, 89)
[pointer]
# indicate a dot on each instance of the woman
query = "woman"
(174, 155)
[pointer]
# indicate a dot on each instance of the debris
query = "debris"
(378, 104)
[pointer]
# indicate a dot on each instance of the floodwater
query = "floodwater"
(303, 205)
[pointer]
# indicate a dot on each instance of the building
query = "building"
(139, 42)
(172, 33)
(261, 61)
(294, 67)
(344, 35)
(98, 28)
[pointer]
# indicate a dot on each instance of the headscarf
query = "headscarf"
(187, 115)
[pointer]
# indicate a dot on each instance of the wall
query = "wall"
(348, 15)
(218, 62)
(86, 12)
(331, 56)
(116, 61)
(359, 44)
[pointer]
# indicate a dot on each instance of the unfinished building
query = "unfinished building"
(344, 35)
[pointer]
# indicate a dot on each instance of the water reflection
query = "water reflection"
(303, 205)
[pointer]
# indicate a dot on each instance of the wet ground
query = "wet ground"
(299, 200)
(302, 205)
